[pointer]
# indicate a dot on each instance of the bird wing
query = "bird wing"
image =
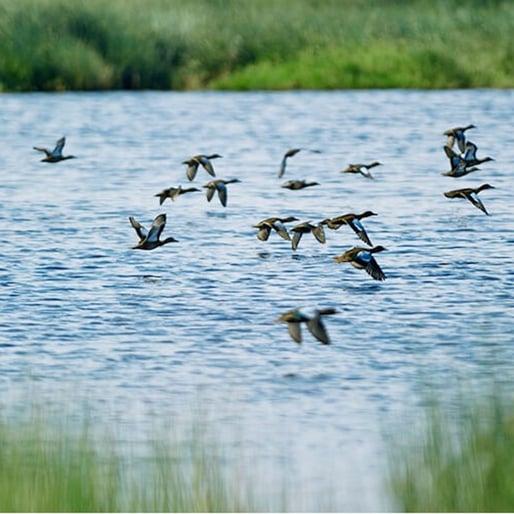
(222, 193)
(157, 227)
(281, 230)
(319, 233)
(39, 149)
(282, 168)
(373, 269)
(206, 163)
(192, 167)
(473, 198)
(296, 240)
(295, 331)
(59, 145)
(264, 232)
(210, 192)
(140, 230)
(358, 228)
(317, 329)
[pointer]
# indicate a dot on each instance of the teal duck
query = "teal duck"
(298, 184)
(148, 240)
(457, 134)
(358, 168)
(290, 153)
(220, 186)
(353, 221)
(295, 317)
(459, 167)
(204, 160)
(56, 154)
(276, 224)
(304, 228)
(470, 194)
(362, 258)
(470, 155)
(173, 193)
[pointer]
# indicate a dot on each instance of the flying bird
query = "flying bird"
(197, 160)
(148, 240)
(290, 153)
(358, 168)
(457, 134)
(173, 193)
(56, 154)
(295, 317)
(362, 258)
(304, 228)
(277, 224)
(220, 186)
(298, 184)
(470, 194)
(353, 221)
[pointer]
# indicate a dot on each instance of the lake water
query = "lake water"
(144, 337)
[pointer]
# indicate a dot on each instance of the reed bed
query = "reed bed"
(48, 465)
(461, 461)
(53, 45)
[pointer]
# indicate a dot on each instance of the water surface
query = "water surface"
(143, 336)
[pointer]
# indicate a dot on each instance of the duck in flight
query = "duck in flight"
(358, 168)
(304, 228)
(295, 317)
(470, 194)
(56, 154)
(294, 185)
(277, 224)
(220, 186)
(290, 153)
(197, 160)
(362, 258)
(173, 193)
(457, 134)
(353, 221)
(149, 240)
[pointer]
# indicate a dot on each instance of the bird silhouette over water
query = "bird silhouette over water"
(470, 194)
(220, 186)
(298, 184)
(56, 154)
(290, 153)
(277, 224)
(304, 228)
(353, 221)
(358, 168)
(295, 317)
(362, 258)
(173, 193)
(197, 160)
(457, 134)
(149, 240)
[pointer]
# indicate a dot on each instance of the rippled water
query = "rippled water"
(144, 335)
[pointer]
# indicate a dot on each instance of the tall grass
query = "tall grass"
(463, 462)
(51, 467)
(249, 44)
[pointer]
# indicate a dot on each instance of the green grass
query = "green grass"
(255, 44)
(54, 466)
(462, 462)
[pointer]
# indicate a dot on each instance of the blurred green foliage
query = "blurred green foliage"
(255, 44)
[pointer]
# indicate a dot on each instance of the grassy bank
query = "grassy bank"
(463, 462)
(255, 44)
(49, 468)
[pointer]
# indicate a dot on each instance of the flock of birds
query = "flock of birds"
(463, 162)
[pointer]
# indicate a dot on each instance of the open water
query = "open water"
(143, 337)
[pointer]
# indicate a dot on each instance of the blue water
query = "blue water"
(144, 337)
